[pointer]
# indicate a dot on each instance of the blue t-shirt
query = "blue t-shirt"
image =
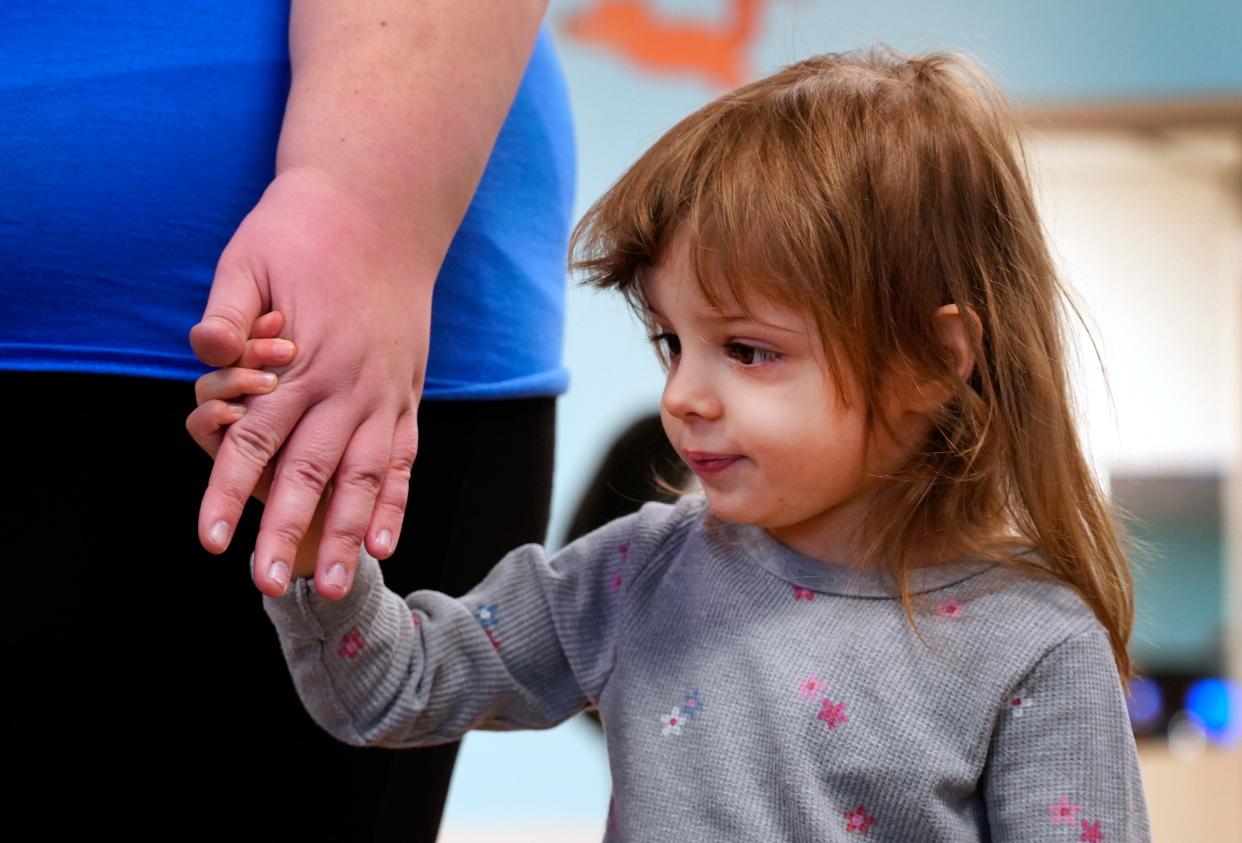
(136, 134)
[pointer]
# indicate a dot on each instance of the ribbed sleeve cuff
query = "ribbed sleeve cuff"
(303, 610)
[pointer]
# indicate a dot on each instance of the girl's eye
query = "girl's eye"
(749, 355)
(672, 344)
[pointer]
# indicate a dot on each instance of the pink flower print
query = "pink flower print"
(1019, 703)
(857, 820)
(951, 608)
(615, 583)
(351, 644)
(832, 713)
(803, 594)
(672, 723)
(1091, 831)
(414, 617)
(810, 688)
(1063, 812)
(624, 549)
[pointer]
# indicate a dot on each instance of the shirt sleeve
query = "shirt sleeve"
(525, 649)
(1062, 762)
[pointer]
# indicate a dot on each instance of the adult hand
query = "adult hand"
(357, 303)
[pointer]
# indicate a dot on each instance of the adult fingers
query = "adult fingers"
(389, 512)
(248, 446)
(232, 308)
(356, 486)
(307, 464)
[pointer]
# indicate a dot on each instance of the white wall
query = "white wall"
(1147, 230)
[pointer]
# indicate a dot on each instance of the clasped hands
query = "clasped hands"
(356, 293)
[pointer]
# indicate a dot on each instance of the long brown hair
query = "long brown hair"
(869, 189)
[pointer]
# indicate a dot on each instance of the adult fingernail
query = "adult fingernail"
(279, 575)
(283, 350)
(220, 534)
(384, 541)
(337, 576)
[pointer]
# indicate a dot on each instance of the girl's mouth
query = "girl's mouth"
(706, 465)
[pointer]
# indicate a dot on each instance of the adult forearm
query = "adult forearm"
(400, 102)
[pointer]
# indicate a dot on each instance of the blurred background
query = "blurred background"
(1134, 116)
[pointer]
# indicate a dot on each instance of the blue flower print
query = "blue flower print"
(692, 705)
(486, 615)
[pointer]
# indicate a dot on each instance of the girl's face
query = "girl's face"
(750, 406)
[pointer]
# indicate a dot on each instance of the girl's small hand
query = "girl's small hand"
(216, 391)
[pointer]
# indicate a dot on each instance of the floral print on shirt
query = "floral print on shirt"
(616, 578)
(1091, 831)
(810, 688)
(674, 721)
(859, 820)
(951, 608)
(1063, 811)
(351, 644)
(1019, 703)
(832, 713)
(485, 614)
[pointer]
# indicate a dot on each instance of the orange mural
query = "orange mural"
(662, 44)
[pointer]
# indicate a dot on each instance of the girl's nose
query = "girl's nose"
(687, 393)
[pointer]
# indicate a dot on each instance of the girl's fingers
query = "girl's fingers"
(233, 382)
(268, 325)
(265, 348)
(262, 353)
(206, 423)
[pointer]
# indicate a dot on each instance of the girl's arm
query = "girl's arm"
(527, 648)
(1063, 763)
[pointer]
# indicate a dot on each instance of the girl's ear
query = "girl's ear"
(951, 327)
(924, 397)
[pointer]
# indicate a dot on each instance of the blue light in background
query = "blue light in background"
(1217, 703)
(1145, 702)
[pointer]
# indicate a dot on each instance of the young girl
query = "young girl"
(899, 608)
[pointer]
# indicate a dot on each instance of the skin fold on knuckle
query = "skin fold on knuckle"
(252, 443)
(307, 473)
(344, 547)
(391, 511)
(361, 480)
(287, 535)
(401, 466)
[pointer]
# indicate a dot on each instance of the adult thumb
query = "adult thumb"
(234, 304)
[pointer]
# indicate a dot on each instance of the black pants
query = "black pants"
(149, 683)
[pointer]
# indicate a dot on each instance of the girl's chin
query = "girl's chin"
(729, 511)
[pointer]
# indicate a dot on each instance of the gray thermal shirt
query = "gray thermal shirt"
(749, 693)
